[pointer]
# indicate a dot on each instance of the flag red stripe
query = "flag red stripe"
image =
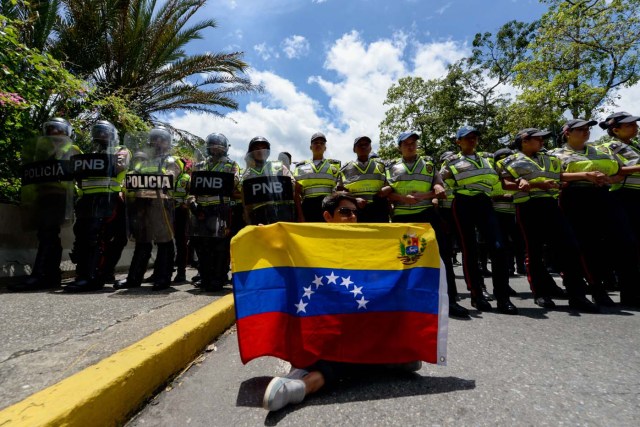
(381, 337)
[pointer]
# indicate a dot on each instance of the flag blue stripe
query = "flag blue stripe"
(295, 290)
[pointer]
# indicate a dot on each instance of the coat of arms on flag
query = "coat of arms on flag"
(305, 292)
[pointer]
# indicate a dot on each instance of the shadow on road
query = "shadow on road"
(378, 386)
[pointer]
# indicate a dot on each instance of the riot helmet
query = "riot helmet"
(258, 140)
(217, 145)
(160, 138)
(57, 126)
(502, 153)
(104, 134)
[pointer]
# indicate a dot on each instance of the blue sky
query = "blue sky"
(326, 64)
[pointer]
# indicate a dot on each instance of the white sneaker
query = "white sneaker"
(282, 391)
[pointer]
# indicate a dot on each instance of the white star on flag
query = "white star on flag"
(356, 290)
(307, 292)
(332, 278)
(317, 281)
(346, 281)
(301, 305)
(362, 303)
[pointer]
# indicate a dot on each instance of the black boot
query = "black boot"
(163, 267)
(46, 268)
(88, 270)
(138, 267)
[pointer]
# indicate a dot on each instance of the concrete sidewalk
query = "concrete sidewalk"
(92, 359)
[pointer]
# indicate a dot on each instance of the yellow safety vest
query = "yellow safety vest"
(591, 160)
(405, 180)
(316, 181)
(363, 182)
(626, 155)
(468, 176)
(537, 169)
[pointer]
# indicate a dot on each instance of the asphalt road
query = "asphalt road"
(538, 368)
(50, 335)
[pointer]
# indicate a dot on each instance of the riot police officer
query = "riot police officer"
(100, 228)
(181, 219)
(47, 199)
(214, 181)
(150, 184)
(267, 187)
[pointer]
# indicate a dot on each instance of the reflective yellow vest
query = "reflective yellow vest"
(537, 169)
(626, 155)
(591, 160)
(107, 184)
(363, 183)
(470, 177)
(316, 181)
(405, 180)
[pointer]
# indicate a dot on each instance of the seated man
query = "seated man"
(337, 208)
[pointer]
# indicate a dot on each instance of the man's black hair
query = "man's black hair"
(332, 201)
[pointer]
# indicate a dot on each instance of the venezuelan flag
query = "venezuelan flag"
(360, 293)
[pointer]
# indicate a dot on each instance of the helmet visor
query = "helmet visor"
(56, 129)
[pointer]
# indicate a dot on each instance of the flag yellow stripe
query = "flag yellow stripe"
(340, 246)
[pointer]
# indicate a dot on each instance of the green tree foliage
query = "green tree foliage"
(583, 51)
(32, 85)
(135, 49)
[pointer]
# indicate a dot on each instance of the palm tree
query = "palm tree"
(135, 49)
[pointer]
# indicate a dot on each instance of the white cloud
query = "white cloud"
(431, 59)
(295, 46)
(363, 73)
(441, 10)
(318, 1)
(266, 52)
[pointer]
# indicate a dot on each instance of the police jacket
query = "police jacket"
(470, 175)
(626, 155)
(408, 178)
(538, 168)
(591, 159)
(111, 178)
(363, 180)
(317, 180)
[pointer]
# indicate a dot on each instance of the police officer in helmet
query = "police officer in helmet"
(100, 228)
(151, 210)
(47, 202)
(214, 182)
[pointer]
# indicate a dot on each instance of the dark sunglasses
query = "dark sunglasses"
(347, 211)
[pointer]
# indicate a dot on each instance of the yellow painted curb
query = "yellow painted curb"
(107, 393)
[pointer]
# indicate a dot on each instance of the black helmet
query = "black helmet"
(104, 132)
(217, 140)
(502, 153)
(258, 140)
(57, 126)
(160, 133)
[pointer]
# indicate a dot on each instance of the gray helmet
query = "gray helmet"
(160, 133)
(258, 140)
(217, 140)
(104, 133)
(57, 126)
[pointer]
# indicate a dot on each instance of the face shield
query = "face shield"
(257, 157)
(104, 137)
(160, 140)
(59, 131)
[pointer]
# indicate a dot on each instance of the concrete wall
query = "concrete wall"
(18, 248)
